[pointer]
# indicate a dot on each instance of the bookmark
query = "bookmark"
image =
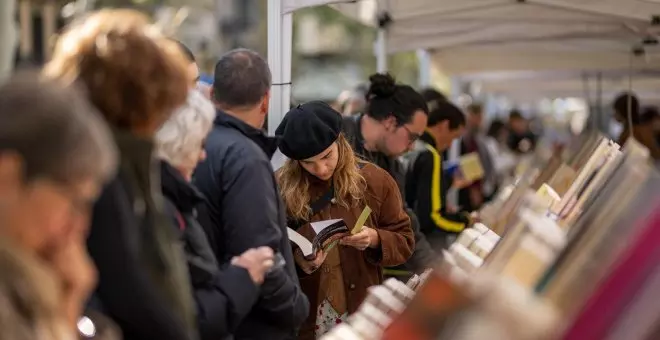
(360, 221)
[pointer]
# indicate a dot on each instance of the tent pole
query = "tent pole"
(381, 50)
(454, 152)
(279, 60)
(7, 37)
(424, 61)
(599, 101)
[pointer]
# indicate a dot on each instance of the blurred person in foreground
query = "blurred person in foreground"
(245, 208)
(223, 296)
(394, 118)
(473, 140)
(323, 179)
(136, 78)
(427, 184)
(626, 110)
(56, 153)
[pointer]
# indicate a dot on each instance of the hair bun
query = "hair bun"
(382, 85)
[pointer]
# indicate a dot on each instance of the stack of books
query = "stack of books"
(569, 250)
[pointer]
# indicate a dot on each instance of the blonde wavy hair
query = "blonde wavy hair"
(133, 74)
(349, 184)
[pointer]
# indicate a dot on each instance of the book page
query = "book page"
(321, 225)
(301, 241)
(471, 167)
(562, 179)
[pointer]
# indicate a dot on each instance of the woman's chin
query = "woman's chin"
(325, 178)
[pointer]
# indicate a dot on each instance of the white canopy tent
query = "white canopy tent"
(481, 36)
(477, 36)
(484, 35)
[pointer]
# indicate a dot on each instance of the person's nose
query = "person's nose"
(322, 169)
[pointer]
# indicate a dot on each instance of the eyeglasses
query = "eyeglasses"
(412, 137)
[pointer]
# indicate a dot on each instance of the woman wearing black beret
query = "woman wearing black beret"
(322, 180)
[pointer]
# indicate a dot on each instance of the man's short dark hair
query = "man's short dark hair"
(430, 94)
(56, 132)
(649, 114)
(620, 106)
(475, 109)
(446, 111)
(515, 115)
(242, 79)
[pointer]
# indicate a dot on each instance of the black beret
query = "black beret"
(308, 129)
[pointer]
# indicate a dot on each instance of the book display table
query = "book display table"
(547, 261)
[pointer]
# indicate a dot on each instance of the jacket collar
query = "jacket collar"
(176, 189)
(427, 138)
(133, 148)
(267, 144)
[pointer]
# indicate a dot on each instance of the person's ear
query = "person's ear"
(390, 123)
(11, 172)
(265, 103)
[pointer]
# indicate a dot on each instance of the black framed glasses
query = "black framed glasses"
(412, 137)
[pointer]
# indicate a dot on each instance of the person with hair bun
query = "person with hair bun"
(394, 118)
(322, 180)
(136, 78)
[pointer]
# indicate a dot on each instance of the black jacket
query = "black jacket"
(426, 192)
(223, 296)
(424, 255)
(143, 282)
(245, 211)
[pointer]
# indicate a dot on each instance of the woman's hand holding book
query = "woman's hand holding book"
(309, 266)
(365, 238)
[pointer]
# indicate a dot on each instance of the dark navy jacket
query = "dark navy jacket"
(245, 211)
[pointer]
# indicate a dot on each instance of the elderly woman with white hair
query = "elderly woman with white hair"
(223, 296)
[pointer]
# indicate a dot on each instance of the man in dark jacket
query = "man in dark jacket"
(427, 185)
(368, 138)
(245, 209)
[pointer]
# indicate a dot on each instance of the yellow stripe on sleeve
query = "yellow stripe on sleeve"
(436, 199)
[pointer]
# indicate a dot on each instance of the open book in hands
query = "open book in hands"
(328, 233)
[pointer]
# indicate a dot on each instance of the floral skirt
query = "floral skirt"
(327, 318)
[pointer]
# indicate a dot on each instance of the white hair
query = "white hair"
(179, 140)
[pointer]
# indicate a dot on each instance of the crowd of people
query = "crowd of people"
(135, 205)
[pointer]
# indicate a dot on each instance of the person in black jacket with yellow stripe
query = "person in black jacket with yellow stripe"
(426, 183)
